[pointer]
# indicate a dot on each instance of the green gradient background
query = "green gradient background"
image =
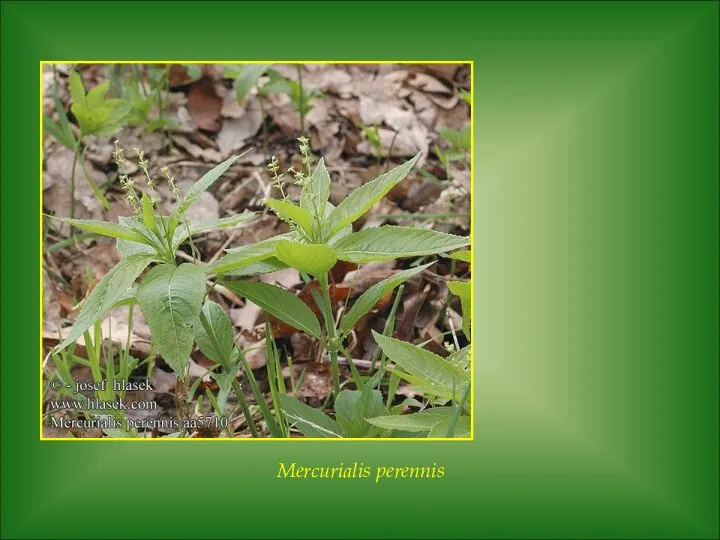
(597, 297)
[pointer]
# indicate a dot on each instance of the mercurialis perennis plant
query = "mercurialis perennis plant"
(321, 234)
(173, 297)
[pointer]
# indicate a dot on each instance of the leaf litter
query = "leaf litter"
(364, 119)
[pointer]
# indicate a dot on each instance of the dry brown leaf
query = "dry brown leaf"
(204, 105)
(209, 155)
(236, 131)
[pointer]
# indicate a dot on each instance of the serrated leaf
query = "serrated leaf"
(463, 290)
(352, 407)
(77, 89)
(460, 358)
(465, 256)
(314, 259)
(247, 78)
(311, 422)
(171, 298)
(181, 234)
(428, 367)
(111, 288)
(391, 242)
(371, 297)
(360, 200)
(216, 339)
(106, 228)
(243, 256)
(287, 210)
(199, 187)
(316, 192)
(279, 303)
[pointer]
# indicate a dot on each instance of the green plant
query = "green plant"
(174, 300)
(96, 115)
(361, 413)
(247, 76)
(321, 234)
(103, 378)
(171, 296)
(457, 143)
(146, 97)
(372, 134)
(462, 289)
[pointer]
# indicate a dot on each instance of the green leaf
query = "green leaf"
(96, 96)
(171, 298)
(279, 303)
(77, 90)
(360, 200)
(460, 358)
(314, 259)
(248, 77)
(416, 422)
(127, 298)
(391, 242)
(459, 140)
(277, 84)
(111, 288)
(63, 121)
(181, 234)
(148, 215)
(463, 289)
(263, 267)
(224, 381)
(352, 407)
(316, 192)
(462, 428)
(106, 228)
(369, 298)
(64, 138)
(465, 256)
(131, 247)
(193, 71)
(216, 339)
(287, 210)
(198, 187)
(431, 369)
(311, 422)
(243, 256)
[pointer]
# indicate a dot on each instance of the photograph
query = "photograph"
(245, 250)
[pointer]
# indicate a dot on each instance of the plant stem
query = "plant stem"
(72, 182)
(245, 407)
(265, 131)
(330, 327)
(301, 103)
(96, 190)
(228, 366)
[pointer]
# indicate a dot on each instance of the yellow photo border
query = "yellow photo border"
(269, 439)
